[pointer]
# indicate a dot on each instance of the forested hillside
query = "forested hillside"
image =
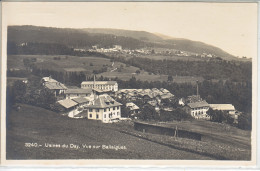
(86, 38)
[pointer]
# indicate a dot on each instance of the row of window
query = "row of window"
(199, 108)
(198, 113)
(106, 109)
(99, 86)
(109, 115)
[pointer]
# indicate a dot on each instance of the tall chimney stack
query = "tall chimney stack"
(197, 88)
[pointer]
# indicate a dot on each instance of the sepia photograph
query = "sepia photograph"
(115, 82)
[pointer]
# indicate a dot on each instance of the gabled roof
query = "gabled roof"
(55, 86)
(80, 100)
(49, 79)
(104, 101)
(222, 106)
(100, 82)
(78, 91)
(198, 104)
(67, 103)
(132, 106)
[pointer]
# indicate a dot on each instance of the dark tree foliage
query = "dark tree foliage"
(17, 91)
(148, 113)
(245, 121)
(213, 69)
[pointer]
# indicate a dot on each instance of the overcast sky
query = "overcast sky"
(229, 26)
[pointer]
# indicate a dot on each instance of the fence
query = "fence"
(155, 129)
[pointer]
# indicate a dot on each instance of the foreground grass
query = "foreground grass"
(37, 125)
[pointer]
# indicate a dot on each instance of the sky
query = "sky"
(229, 26)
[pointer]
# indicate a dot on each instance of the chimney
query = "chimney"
(197, 88)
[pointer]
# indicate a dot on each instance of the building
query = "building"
(198, 110)
(117, 47)
(70, 107)
(53, 85)
(82, 101)
(229, 108)
(134, 109)
(102, 85)
(104, 108)
(79, 92)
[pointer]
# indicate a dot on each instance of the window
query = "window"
(114, 108)
(77, 94)
(97, 110)
(105, 110)
(117, 107)
(117, 113)
(104, 115)
(97, 116)
(109, 109)
(90, 110)
(90, 115)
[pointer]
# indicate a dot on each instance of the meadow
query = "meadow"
(36, 125)
(65, 63)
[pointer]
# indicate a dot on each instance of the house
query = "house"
(102, 85)
(53, 85)
(104, 108)
(198, 110)
(70, 106)
(79, 92)
(134, 109)
(229, 108)
(82, 101)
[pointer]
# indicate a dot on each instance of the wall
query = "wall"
(154, 129)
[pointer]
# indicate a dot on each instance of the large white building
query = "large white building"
(104, 108)
(198, 110)
(102, 85)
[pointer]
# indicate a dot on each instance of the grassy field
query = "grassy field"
(221, 140)
(37, 125)
(88, 64)
(66, 63)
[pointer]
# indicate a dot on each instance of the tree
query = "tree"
(148, 113)
(245, 121)
(170, 78)
(18, 91)
(125, 112)
(138, 71)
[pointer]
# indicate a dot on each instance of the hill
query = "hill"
(86, 38)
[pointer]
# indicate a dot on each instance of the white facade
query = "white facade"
(106, 115)
(102, 85)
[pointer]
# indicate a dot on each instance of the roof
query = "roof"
(167, 96)
(49, 79)
(100, 82)
(198, 104)
(100, 91)
(104, 101)
(132, 106)
(78, 91)
(80, 100)
(55, 85)
(222, 106)
(67, 103)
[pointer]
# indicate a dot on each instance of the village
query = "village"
(104, 100)
(119, 50)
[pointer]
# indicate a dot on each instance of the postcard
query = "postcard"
(129, 84)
